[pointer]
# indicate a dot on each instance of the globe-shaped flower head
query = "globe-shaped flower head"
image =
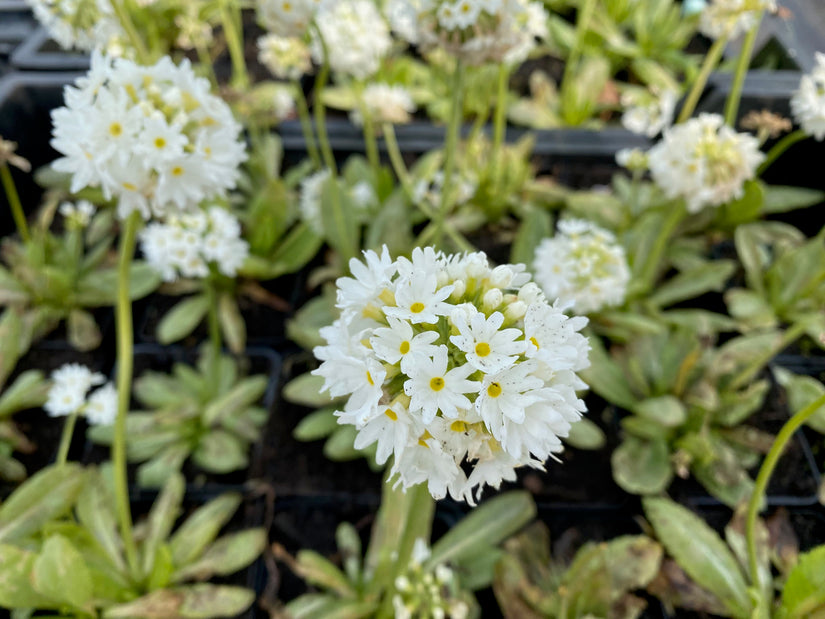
(461, 371)
(80, 24)
(704, 161)
(582, 264)
(808, 103)
(153, 137)
(732, 17)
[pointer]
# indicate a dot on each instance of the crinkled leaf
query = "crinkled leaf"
(719, 468)
(61, 574)
(162, 517)
(642, 466)
(781, 199)
(306, 391)
(202, 527)
(94, 510)
(49, 493)
(605, 377)
(700, 552)
(226, 556)
(801, 391)
(82, 330)
(750, 308)
(316, 425)
(29, 390)
(232, 323)
(182, 319)
(202, 601)
(665, 410)
(312, 605)
(804, 593)
(321, 572)
(156, 471)
(245, 393)
(584, 434)
(711, 276)
(16, 590)
(221, 452)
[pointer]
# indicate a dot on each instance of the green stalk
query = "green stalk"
(306, 123)
(711, 60)
(66, 438)
(320, 111)
(234, 40)
(398, 166)
(215, 343)
(499, 122)
(742, 64)
(206, 62)
(132, 34)
(764, 476)
(14, 203)
(450, 146)
(582, 20)
(780, 147)
(125, 336)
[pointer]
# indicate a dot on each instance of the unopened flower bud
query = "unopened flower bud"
(492, 299)
(516, 311)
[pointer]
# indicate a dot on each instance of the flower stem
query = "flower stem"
(66, 438)
(320, 112)
(370, 141)
(131, 32)
(499, 122)
(306, 123)
(230, 20)
(398, 166)
(780, 147)
(582, 20)
(125, 336)
(450, 152)
(764, 476)
(14, 202)
(711, 60)
(742, 64)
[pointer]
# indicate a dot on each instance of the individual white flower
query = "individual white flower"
(355, 36)
(101, 407)
(287, 18)
(704, 161)
(432, 387)
(488, 347)
(648, 112)
(477, 31)
(808, 102)
(151, 137)
(286, 57)
(385, 104)
(438, 377)
(582, 264)
(186, 245)
(283, 104)
(68, 394)
(732, 17)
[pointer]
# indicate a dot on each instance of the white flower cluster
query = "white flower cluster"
(704, 161)
(153, 137)
(428, 189)
(463, 372)
(647, 112)
(427, 593)
(732, 17)
(584, 265)
(287, 18)
(477, 31)
(285, 57)
(808, 103)
(68, 395)
(355, 35)
(312, 188)
(385, 104)
(80, 24)
(186, 244)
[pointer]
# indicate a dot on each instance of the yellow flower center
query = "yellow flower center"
(391, 414)
(369, 379)
(160, 142)
(129, 186)
(417, 307)
(404, 348)
(458, 426)
(437, 383)
(482, 349)
(422, 440)
(494, 390)
(177, 171)
(535, 343)
(115, 129)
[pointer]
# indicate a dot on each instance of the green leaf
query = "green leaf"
(801, 391)
(750, 308)
(61, 574)
(47, 494)
(744, 209)
(162, 517)
(304, 328)
(202, 601)
(804, 593)
(642, 466)
(166, 459)
(221, 452)
(231, 322)
(202, 527)
(314, 605)
(700, 551)
(244, 394)
(781, 199)
(29, 390)
(321, 572)
(339, 220)
(182, 319)
(584, 434)
(340, 446)
(690, 284)
(16, 590)
(82, 330)
(293, 252)
(94, 511)
(795, 275)
(535, 226)
(316, 425)
(666, 410)
(605, 377)
(488, 525)
(349, 546)
(226, 556)
(306, 391)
